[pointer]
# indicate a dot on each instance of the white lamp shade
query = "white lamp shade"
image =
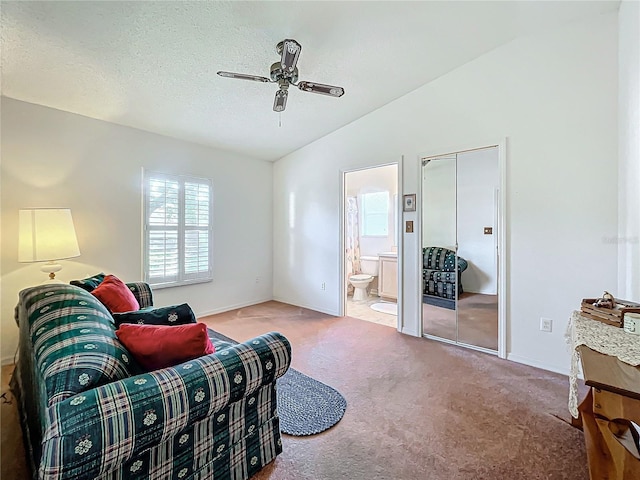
(46, 234)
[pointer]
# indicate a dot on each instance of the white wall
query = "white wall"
(56, 159)
(478, 179)
(379, 179)
(553, 96)
(628, 238)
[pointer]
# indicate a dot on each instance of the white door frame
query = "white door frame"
(501, 234)
(342, 231)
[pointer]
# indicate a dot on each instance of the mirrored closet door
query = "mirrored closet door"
(459, 248)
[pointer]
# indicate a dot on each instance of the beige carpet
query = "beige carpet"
(477, 320)
(417, 409)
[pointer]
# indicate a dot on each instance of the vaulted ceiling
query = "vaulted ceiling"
(152, 65)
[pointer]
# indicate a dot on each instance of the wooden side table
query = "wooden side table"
(613, 402)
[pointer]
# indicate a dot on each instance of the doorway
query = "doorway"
(370, 244)
(461, 224)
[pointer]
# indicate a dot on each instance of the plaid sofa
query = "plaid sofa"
(439, 272)
(88, 412)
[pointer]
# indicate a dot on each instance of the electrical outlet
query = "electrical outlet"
(258, 279)
(324, 286)
(546, 324)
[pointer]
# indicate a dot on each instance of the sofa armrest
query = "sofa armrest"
(93, 432)
(462, 264)
(142, 292)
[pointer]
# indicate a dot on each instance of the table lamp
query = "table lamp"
(46, 235)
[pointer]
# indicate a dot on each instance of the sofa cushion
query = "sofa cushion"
(161, 346)
(90, 283)
(74, 341)
(433, 258)
(115, 295)
(172, 315)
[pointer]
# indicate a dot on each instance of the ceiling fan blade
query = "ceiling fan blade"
(321, 89)
(290, 53)
(243, 76)
(280, 102)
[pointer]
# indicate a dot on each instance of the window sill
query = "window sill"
(158, 286)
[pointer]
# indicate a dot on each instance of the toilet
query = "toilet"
(361, 281)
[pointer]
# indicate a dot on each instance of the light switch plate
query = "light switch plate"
(409, 226)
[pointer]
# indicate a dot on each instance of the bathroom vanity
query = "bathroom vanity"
(388, 276)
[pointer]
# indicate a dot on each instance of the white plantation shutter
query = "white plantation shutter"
(197, 198)
(177, 213)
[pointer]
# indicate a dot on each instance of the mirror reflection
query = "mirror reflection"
(459, 248)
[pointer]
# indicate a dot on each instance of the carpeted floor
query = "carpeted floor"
(417, 409)
(477, 320)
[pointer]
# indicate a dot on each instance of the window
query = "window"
(375, 214)
(178, 230)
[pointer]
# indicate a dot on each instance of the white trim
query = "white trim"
(228, 308)
(400, 325)
(6, 360)
(502, 248)
(342, 286)
(537, 364)
(501, 231)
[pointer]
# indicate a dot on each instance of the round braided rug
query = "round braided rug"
(307, 406)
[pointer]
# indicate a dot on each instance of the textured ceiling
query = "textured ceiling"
(152, 65)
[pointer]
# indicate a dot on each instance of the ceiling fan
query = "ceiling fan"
(285, 73)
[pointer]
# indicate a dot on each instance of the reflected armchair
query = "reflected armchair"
(439, 272)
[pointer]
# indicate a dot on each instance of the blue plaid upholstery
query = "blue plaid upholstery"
(438, 272)
(73, 339)
(214, 417)
(142, 292)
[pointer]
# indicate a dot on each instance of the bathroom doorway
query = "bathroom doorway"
(370, 240)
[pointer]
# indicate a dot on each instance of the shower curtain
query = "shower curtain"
(352, 241)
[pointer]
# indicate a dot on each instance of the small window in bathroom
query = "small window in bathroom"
(375, 214)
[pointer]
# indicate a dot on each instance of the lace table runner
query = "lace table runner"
(602, 338)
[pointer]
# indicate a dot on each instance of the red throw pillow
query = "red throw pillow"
(161, 346)
(115, 295)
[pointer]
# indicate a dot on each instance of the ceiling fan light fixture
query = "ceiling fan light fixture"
(290, 53)
(280, 102)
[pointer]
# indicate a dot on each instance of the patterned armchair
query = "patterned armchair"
(439, 272)
(89, 413)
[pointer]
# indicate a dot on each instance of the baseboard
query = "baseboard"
(480, 293)
(535, 363)
(227, 308)
(6, 360)
(315, 308)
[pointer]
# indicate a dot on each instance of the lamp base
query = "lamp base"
(51, 268)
